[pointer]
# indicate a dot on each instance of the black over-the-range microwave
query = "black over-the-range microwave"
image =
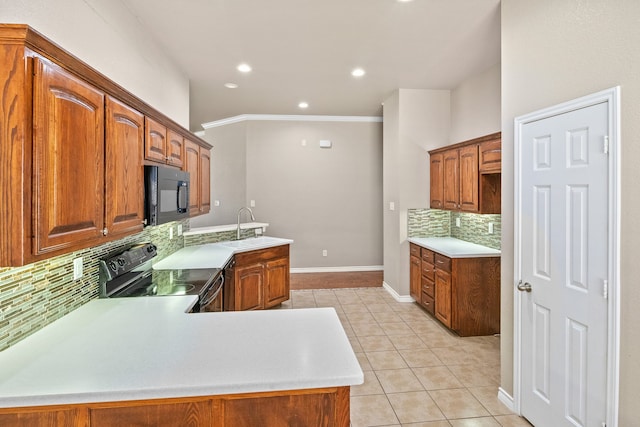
(166, 194)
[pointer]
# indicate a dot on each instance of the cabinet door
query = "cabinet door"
(443, 297)
(469, 195)
(192, 165)
(155, 141)
(205, 180)
(124, 173)
(437, 181)
(196, 413)
(68, 160)
(491, 156)
(249, 285)
(451, 177)
(415, 278)
(175, 149)
(277, 286)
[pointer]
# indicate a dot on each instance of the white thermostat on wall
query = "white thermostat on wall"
(325, 143)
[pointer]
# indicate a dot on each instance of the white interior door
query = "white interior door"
(563, 262)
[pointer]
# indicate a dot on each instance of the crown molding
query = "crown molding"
(290, 117)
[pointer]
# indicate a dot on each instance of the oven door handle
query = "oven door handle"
(215, 294)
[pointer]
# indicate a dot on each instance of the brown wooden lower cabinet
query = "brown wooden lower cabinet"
(325, 407)
(258, 279)
(462, 293)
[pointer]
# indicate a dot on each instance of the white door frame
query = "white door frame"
(612, 96)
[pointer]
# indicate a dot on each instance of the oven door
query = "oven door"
(211, 300)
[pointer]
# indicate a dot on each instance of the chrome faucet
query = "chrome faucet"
(239, 212)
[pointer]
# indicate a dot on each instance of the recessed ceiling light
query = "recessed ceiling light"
(303, 105)
(358, 72)
(244, 68)
(403, 1)
(230, 85)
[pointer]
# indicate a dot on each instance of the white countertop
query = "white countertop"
(146, 348)
(215, 255)
(455, 248)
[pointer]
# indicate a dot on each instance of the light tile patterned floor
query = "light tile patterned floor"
(416, 372)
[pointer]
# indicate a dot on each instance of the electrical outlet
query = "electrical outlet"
(490, 228)
(171, 233)
(77, 268)
(458, 222)
(179, 229)
(392, 206)
(216, 203)
(252, 203)
(324, 252)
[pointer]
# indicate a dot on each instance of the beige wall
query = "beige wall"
(554, 51)
(228, 174)
(321, 198)
(105, 35)
(415, 121)
(475, 106)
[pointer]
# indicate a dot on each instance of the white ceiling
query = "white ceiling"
(304, 50)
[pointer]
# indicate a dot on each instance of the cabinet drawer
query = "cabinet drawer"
(428, 303)
(443, 263)
(428, 270)
(427, 255)
(414, 250)
(428, 287)
(491, 156)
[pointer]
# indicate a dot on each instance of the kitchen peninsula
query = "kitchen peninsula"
(146, 360)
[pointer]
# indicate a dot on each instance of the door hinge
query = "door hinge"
(606, 144)
(605, 289)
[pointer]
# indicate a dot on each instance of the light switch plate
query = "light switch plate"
(179, 229)
(392, 206)
(170, 233)
(490, 228)
(252, 203)
(458, 222)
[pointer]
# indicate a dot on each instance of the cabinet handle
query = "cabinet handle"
(105, 231)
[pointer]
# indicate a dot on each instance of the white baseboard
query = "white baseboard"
(349, 269)
(395, 295)
(506, 398)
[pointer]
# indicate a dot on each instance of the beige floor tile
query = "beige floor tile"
(365, 329)
(436, 378)
(407, 342)
(398, 380)
(458, 403)
(385, 360)
(475, 422)
(355, 345)
(440, 339)
(512, 421)
(373, 410)
(364, 362)
(474, 375)
(442, 423)
(386, 316)
(379, 307)
(419, 358)
(414, 407)
(376, 343)
(354, 308)
(396, 328)
(370, 386)
(453, 355)
(364, 316)
(488, 396)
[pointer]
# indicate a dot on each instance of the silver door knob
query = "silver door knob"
(524, 287)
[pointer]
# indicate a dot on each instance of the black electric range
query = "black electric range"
(129, 274)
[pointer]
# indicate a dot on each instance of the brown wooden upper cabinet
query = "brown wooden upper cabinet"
(163, 145)
(68, 160)
(466, 176)
(197, 161)
(73, 147)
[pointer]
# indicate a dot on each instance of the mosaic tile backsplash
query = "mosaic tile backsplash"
(201, 239)
(440, 223)
(35, 295)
